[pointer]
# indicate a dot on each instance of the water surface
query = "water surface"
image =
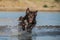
(43, 18)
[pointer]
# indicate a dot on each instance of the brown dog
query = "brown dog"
(29, 20)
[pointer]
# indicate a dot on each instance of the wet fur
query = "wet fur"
(29, 15)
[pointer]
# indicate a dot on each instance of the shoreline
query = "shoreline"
(24, 9)
(18, 10)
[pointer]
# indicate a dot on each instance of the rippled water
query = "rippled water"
(8, 38)
(46, 34)
(37, 34)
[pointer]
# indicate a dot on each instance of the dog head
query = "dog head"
(31, 14)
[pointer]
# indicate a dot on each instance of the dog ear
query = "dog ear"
(27, 10)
